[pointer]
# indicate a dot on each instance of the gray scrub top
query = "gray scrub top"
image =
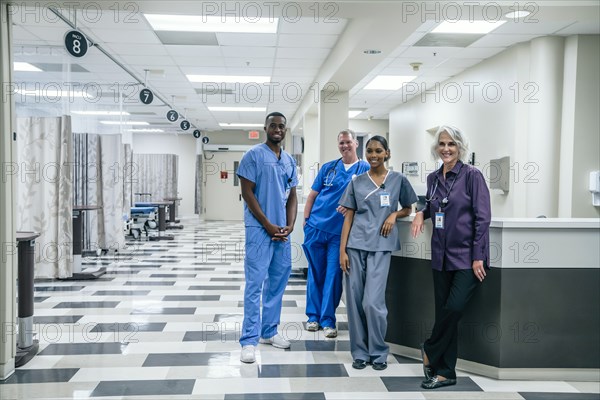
(364, 197)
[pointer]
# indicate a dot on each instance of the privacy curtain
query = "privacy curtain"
(99, 174)
(128, 176)
(45, 191)
(155, 174)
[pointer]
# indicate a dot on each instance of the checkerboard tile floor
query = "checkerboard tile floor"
(164, 323)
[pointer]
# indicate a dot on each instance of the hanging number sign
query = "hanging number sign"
(185, 125)
(197, 133)
(205, 139)
(172, 115)
(76, 43)
(146, 96)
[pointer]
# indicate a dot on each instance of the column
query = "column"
(312, 149)
(333, 117)
(543, 138)
(8, 253)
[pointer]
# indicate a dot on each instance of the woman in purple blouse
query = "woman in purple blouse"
(458, 203)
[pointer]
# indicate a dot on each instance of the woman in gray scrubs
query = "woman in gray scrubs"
(369, 236)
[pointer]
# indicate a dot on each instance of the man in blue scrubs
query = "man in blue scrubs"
(268, 178)
(322, 229)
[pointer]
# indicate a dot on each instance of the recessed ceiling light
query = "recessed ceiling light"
(104, 113)
(25, 67)
(353, 113)
(124, 123)
(203, 23)
(240, 109)
(478, 27)
(229, 78)
(517, 14)
(372, 51)
(238, 125)
(388, 82)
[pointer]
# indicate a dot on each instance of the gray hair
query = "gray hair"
(347, 132)
(461, 140)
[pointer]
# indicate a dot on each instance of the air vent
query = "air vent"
(448, 40)
(188, 38)
(54, 67)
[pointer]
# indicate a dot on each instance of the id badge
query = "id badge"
(384, 199)
(439, 220)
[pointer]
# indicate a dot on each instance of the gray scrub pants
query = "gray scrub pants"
(365, 301)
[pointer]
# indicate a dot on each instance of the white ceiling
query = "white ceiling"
(303, 56)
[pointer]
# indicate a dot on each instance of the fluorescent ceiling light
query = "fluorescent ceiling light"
(240, 109)
(53, 93)
(229, 78)
(236, 125)
(124, 123)
(353, 113)
(144, 130)
(478, 27)
(111, 113)
(388, 82)
(198, 23)
(517, 14)
(25, 67)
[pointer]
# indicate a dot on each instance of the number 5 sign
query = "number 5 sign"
(76, 43)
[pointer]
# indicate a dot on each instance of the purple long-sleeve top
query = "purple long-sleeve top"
(466, 233)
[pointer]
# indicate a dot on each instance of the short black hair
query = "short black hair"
(275, 114)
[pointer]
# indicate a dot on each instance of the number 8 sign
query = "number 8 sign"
(76, 43)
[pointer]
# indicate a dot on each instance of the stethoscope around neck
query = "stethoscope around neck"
(331, 174)
(444, 201)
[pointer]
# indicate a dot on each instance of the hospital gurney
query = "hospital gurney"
(143, 219)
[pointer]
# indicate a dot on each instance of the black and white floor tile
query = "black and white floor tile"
(164, 323)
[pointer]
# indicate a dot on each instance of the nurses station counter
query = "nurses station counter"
(537, 313)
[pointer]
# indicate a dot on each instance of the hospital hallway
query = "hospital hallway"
(164, 322)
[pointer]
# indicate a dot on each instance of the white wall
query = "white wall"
(498, 125)
(372, 127)
(185, 147)
(586, 146)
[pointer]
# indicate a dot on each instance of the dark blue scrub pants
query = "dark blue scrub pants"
(324, 280)
(267, 268)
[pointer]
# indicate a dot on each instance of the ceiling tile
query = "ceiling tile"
(308, 40)
(309, 26)
(304, 53)
(247, 39)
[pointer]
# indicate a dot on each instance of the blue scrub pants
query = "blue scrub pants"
(324, 281)
(365, 303)
(267, 267)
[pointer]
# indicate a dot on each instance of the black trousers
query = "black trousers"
(452, 290)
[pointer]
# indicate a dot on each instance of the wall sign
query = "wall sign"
(76, 43)
(172, 115)
(146, 96)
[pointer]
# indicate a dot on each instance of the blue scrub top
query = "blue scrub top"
(273, 178)
(331, 181)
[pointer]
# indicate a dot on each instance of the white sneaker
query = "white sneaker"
(330, 332)
(312, 326)
(276, 341)
(248, 354)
